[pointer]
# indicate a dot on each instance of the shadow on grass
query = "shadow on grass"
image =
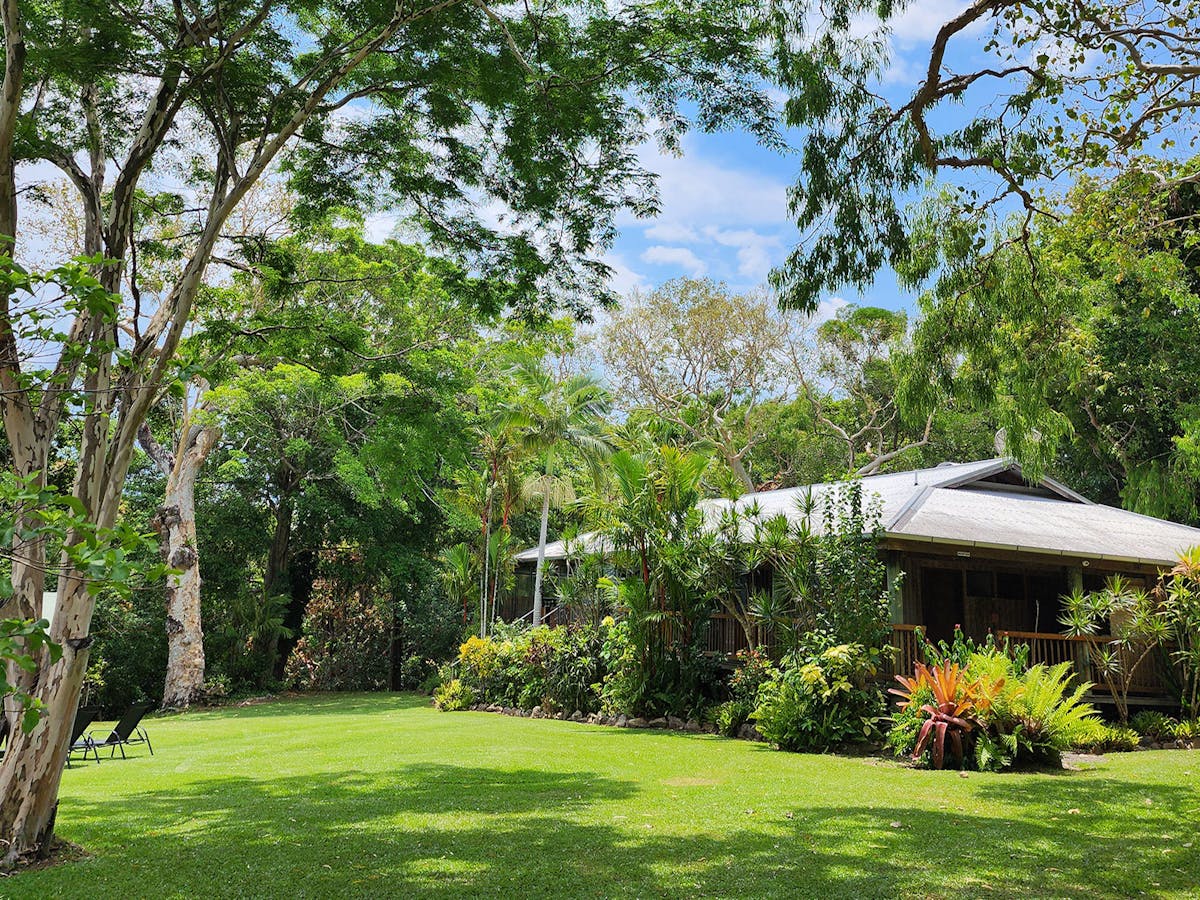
(465, 831)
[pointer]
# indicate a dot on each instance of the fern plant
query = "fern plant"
(1040, 715)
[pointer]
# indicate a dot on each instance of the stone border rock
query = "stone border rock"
(665, 723)
(1174, 744)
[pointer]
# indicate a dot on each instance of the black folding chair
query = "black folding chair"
(84, 716)
(127, 731)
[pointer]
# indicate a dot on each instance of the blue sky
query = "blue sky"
(724, 203)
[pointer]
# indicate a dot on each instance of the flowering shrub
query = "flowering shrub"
(555, 668)
(819, 699)
(754, 669)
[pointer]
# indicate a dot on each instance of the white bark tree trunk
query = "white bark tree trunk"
(32, 766)
(175, 522)
(541, 560)
(739, 471)
(115, 408)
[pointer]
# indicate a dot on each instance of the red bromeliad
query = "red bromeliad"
(953, 713)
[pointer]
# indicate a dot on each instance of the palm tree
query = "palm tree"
(549, 415)
(458, 576)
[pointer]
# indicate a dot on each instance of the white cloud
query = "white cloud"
(920, 22)
(909, 35)
(723, 216)
(672, 232)
(694, 190)
(379, 227)
(623, 279)
(756, 252)
(827, 309)
(681, 257)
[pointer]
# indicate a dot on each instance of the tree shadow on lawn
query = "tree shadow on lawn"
(464, 831)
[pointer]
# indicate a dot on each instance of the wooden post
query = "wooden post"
(895, 580)
(1081, 658)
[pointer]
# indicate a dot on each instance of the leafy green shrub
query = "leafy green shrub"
(431, 682)
(216, 690)
(624, 684)
(1153, 724)
(453, 696)
(730, 716)
(556, 668)
(754, 669)
(1099, 737)
(1120, 740)
(963, 651)
(506, 671)
(414, 670)
(575, 671)
(819, 699)
(1186, 730)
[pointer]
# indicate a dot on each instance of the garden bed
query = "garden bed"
(749, 733)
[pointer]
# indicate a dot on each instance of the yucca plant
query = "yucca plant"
(1137, 629)
(1179, 596)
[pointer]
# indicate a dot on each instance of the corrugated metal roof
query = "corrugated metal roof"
(585, 543)
(1022, 521)
(957, 502)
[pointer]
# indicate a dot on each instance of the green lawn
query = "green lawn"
(382, 796)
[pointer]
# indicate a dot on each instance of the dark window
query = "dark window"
(1010, 585)
(979, 584)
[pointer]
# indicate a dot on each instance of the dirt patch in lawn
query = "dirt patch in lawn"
(60, 852)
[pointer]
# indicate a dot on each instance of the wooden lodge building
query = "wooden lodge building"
(973, 544)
